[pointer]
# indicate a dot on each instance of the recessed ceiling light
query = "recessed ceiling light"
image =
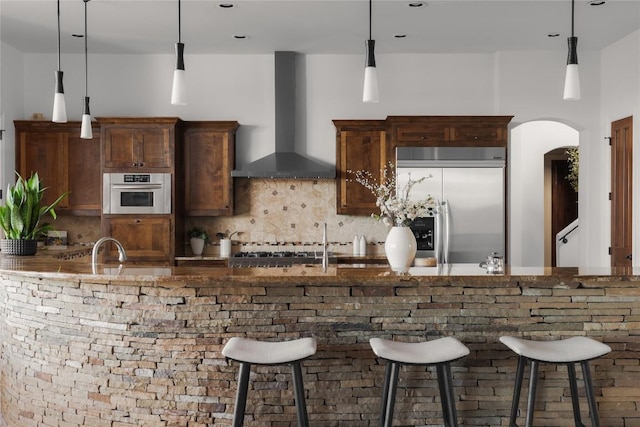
(226, 5)
(417, 4)
(400, 36)
(596, 2)
(553, 35)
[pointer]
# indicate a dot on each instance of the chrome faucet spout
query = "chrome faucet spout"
(122, 254)
(325, 248)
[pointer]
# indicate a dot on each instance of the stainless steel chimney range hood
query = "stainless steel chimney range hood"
(285, 162)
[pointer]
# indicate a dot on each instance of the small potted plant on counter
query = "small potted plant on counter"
(21, 214)
(198, 237)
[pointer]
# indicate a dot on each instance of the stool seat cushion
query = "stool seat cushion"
(426, 352)
(570, 350)
(267, 352)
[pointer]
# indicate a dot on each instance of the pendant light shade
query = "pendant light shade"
(85, 131)
(179, 89)
(370, 92)
(572, 77)
(59, 107)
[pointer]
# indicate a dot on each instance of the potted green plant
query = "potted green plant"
(198, 237)
(21, 215)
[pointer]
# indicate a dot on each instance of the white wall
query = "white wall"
(620, 99)
(527, 85)
(12, 105)
(528, 145)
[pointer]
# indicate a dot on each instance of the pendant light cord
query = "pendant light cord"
(370, 13)
(58, 35)
(86, 60)
(179, 23)
(573, 3)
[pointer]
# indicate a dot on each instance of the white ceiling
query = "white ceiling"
(308, 26)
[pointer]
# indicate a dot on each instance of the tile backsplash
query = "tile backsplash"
(290, 212)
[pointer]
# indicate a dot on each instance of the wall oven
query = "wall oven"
(136, 193)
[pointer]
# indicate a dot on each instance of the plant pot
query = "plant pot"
(400, 248)
(19, 247)
(197, 245)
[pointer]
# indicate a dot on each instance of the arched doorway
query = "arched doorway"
(528, 144)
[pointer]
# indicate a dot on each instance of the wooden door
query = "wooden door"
(621, 192)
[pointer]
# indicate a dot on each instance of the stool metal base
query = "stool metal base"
(243, 386)
(573, 387)
(445, 384)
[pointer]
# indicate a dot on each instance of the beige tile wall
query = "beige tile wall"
(288, 211)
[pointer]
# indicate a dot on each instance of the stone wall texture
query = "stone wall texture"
(118, 354)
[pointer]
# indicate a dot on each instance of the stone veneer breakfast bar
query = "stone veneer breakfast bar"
(138, 346)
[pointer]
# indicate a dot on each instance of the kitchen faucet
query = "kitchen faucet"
(122, 255)
(325, 248)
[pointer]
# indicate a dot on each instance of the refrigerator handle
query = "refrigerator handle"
(447, 231)
(437, 242)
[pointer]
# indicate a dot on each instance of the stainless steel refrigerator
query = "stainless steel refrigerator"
(469, 185)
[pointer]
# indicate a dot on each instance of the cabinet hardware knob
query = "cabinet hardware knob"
(134, 164)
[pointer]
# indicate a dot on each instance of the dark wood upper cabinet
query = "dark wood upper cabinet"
(64, 162)
(209, 158)
(360, 145)
(370, 145)
(451, 131)
(145, 144)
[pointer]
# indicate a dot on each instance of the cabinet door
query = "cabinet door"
(359, 150)
(84, 174)
(137, 147)
(153, 148)
(120, 149)
(145, 238)
(420, 135)
(44, 152)
(480, 135)
(209, 159)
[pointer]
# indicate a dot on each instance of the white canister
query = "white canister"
(362, 243)
(225, 248)
(356, 245)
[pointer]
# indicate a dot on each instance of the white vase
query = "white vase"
(400, 248)
(197, 245)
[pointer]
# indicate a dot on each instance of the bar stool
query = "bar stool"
(568, 351)
(439, 352)
(249, 351)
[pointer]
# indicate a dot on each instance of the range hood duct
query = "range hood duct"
(285, 162)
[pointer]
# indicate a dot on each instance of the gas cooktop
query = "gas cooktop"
(276, 259)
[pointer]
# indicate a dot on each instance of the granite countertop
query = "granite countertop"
(76, 263)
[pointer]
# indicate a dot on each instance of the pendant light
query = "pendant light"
(179, 90)
(86, 131)
(572, 78)
(370, 93)
(59, 107)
